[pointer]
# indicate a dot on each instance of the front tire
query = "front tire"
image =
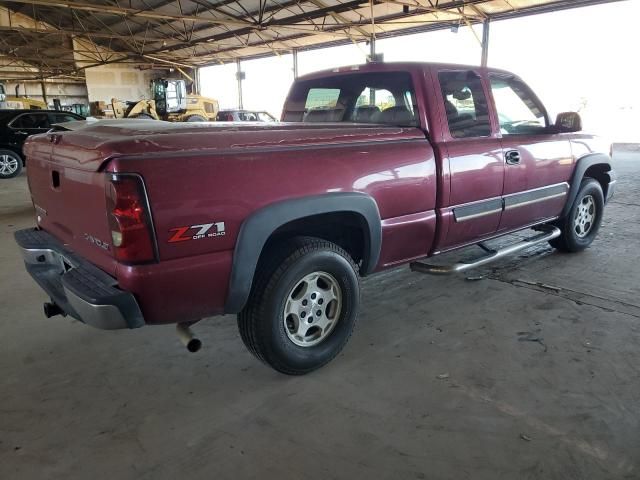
(303, 306)
(196, 118)
(580, 226)
(10, 164)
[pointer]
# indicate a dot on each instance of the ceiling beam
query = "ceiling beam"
(133, 12)
(293, 19)
(85, 33)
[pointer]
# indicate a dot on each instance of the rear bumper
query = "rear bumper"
(82, 290)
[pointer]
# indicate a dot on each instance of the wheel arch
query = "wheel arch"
(299, 216)
(594, 165)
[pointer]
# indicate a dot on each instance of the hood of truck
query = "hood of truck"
(87, 145)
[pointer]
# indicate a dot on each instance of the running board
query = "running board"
(547, 233)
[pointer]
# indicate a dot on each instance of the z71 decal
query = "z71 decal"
(196, 232)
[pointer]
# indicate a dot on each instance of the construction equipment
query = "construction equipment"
(23, 103)
(170, 102)
(14, 102)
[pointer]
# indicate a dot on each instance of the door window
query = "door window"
(519, 111)
(31, 121)
(266, 117)
(465, 104)
(247, 116)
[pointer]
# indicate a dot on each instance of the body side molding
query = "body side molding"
(258, 227)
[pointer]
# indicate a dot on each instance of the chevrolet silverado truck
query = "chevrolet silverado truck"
(373, 166)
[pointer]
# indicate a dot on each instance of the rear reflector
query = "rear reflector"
(129, 219)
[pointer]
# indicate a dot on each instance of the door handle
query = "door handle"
(512, 157)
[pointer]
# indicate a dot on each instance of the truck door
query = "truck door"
(538, 163)
(473, 206)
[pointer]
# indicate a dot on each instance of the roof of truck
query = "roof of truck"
(395, 66)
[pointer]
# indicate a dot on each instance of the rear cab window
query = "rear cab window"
(465, 104)
(368, 97)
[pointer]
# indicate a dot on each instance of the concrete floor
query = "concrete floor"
(531, 372)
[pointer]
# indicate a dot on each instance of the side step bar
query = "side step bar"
(547, 233)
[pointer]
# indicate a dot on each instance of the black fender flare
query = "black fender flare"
(582, 165)
(260, 225)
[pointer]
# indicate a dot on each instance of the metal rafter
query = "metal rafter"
(200, 32)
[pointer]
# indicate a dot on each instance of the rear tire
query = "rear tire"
(10, 164)
(303, 305)
(196, 118)
(580, 226)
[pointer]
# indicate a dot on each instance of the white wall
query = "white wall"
(117, 81)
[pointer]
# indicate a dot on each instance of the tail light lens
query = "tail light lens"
(132, 234)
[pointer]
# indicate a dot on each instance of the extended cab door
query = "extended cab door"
(472, 207)
(538, 164)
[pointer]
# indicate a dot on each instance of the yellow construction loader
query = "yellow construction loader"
(19, 103)
(170, 102)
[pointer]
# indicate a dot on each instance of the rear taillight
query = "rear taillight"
(129, 219)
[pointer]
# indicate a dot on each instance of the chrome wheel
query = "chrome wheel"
(8, 165)
(585, 216)
(312, 309)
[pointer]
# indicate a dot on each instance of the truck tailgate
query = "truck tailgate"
(70, 202)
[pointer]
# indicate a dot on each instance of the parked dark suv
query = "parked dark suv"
(16, 126)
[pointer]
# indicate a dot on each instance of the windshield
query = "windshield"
(386, 98)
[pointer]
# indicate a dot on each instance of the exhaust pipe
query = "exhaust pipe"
(52, 309)
(187, 338)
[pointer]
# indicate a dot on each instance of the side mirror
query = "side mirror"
(567, 122)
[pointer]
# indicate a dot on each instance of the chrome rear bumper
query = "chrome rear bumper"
(79, 288)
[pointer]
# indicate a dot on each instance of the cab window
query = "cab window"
(465, 104)
(519, 111)
(376, 97)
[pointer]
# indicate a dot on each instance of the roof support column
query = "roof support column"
(43, 86)
(294, 55)
(485, 42)
(372, 58)
(196, 81)
(372, 48)
(239, 77)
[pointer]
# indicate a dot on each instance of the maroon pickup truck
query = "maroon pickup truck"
(146, 222)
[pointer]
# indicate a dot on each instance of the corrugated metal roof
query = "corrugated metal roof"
(204, 32)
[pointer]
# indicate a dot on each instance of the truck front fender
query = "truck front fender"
(260, 225)
(583, 164)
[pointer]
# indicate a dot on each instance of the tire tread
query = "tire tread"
(279, 259)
